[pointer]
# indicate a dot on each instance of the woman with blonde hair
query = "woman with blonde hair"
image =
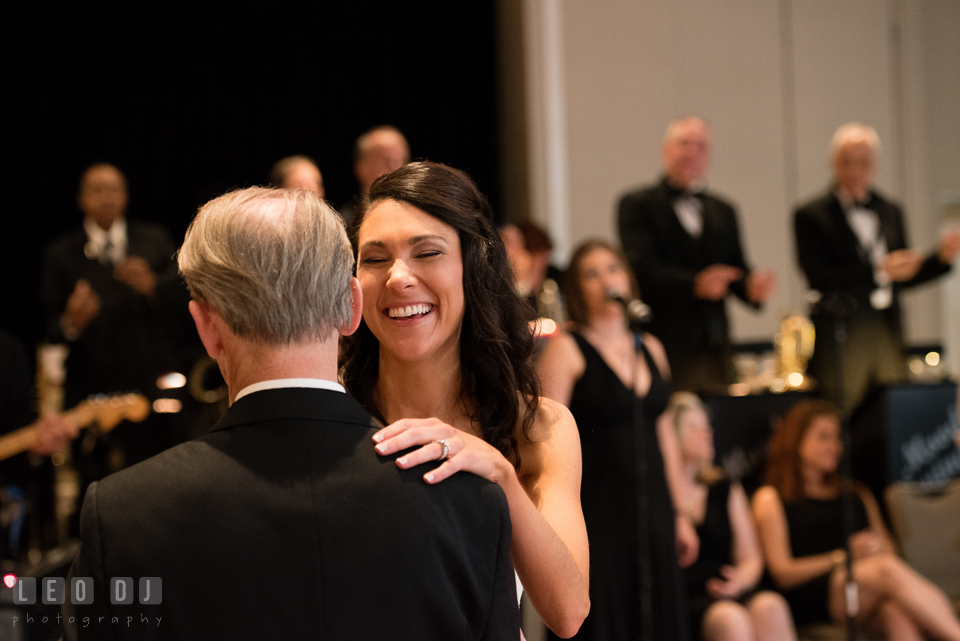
(725, 603)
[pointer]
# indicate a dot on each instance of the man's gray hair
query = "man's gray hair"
(854, 131)
(275, 264)
(674, 125)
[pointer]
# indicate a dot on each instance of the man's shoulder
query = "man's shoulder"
(171, 471)
(719, 201)
(644, 194)
(315, 437)
(883, 204)
(144, 235)
(147, 228)
(817, 208)
(69, 241)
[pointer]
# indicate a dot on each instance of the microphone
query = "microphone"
(637, 311)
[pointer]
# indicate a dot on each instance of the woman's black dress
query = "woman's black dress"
(603, 408)
(816, 526)
(716, 550)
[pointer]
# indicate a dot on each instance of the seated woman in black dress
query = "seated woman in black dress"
(721, 585)
(800, 522)
(598, 371)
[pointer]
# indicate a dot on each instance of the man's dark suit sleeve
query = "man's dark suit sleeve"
(89, 563)
(932, 266)
(663, 279)
(158, 249)
(55, 289)
(504, 620)
(737, 259)
(658, 278)
(816, 244)
(814, 241)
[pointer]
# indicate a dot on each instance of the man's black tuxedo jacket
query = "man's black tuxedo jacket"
(832, 259)
(128, 343)
(283, 523)
(665, 259)
(834, 263)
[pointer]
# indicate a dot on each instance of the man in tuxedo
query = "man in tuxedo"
(683, 244)
(111, 293)
(853, 249)
(104, 287)
(282, 522)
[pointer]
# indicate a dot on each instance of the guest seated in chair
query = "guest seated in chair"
(799, 517)
(722, 583)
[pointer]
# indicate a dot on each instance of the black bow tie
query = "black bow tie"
(676, 193)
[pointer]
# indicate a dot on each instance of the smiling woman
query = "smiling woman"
(411, 271)
(443, 358)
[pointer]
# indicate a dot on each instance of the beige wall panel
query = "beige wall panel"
(633, 67)
(842, 70)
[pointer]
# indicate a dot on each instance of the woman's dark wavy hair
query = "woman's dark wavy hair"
(573, 295)
(496, 341)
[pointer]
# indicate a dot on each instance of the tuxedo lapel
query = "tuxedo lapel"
(846, 239)
(685, 246)
(888, 227)
(711, 252)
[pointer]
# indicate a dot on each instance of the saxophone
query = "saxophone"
(794, 347)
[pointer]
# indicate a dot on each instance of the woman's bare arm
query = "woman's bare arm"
(550, 548)
(875, 519)
(560, 366)
(549, 544)
(787, 571)
(747, 556)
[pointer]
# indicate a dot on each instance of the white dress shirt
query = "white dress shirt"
(865, 224)
(107, 246)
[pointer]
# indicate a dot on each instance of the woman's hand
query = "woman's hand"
(865, 544)
(688, 543)
(467, 452)
(729, 587)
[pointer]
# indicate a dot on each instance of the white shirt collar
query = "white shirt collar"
(280, 383)
(97, 238)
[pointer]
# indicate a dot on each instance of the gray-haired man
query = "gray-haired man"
(282, 522)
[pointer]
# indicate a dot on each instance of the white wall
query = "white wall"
(775, 80)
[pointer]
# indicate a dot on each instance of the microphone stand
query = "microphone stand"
(642, 491)
(839, 308)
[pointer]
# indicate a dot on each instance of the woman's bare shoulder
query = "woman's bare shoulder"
(765, 499)
(553, 437)
(563, 348)
(659, 354)
(552, 420)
